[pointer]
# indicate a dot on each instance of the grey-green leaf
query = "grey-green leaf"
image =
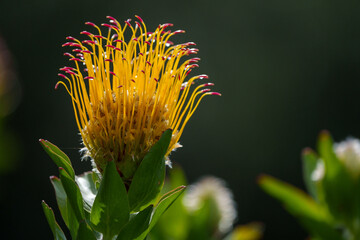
(110, 210)
(149, 177)
(54, 226)
(87, 188)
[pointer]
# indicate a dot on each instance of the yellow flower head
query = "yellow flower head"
(126, 93)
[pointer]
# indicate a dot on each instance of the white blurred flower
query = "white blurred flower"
(348, 152)
(319, 171)
(215, 189)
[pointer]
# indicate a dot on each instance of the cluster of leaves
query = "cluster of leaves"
(181, 224)
(100, 207)
(331, 211)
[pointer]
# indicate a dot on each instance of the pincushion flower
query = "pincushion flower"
(126, 93)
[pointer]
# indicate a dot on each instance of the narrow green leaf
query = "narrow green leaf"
(310, 161)
(87, 188)
(311, 215)
(137, 225)
(73, 194)
(55, 228)
(84, 232)
(327, 154)
(65, 208)
(165, 202)
(110, 210)
(58, 156)
(149, 177)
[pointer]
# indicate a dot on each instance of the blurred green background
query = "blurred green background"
(286, 70)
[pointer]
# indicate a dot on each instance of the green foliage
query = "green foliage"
(55, 228)
(99, 208)
(149, 177)
(137, 225)
(331, 211)
(58, 156)
(111, 207)
(200, 222)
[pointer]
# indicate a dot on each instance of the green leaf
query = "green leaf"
(87, 188)
(165, 202)
(110, 210)
(174, 223)
(55, 228)
(310, 161)
(311, 215)
(84, 232)
(73, 194)
(337, 183)
(137, 225)
(58, 156)
(65, 208)
(149, 177)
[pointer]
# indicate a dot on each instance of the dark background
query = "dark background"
(286, 70)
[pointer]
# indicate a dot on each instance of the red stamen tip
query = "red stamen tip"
(88, 77)
(128, 22)
(109, 60)
(70, 38)
(178, 31)
(75, 59)
(215, 93)
(99, 36)
(112, 73)
(140, 19)
(148, 63)
(203, 76)
(111, 18)
(61, 75)
(91, 24)
(86, 33)
(190, 44)
(133, 80)
(205, 90)
(68, 54)
(165, 25)
(208, 84)
(119, 86)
